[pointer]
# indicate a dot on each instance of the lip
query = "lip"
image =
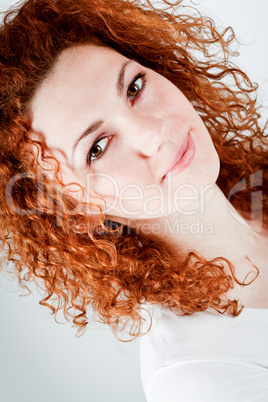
(183, 158)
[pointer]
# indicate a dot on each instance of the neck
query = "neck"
(212, 227)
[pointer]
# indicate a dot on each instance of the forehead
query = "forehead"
(75, 91)
(87, 58)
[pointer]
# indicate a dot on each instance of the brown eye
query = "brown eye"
(98, 149)
(134, 88)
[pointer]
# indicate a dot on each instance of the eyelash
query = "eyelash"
(144, 82)
(133, 100)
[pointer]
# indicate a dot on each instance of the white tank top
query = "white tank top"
(206, 357)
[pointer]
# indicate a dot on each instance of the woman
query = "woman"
(98, 126)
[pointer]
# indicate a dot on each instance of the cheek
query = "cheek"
(122, 176)
(207, 164)
(167, 97)
(122, 187)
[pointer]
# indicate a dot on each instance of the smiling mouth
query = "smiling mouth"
(183, 158)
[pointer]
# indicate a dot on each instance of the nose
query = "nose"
(144, 134)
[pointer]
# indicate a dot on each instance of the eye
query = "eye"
(97, 149)
(136, 87)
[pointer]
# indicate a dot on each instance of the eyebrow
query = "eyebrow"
(121, 77)
(96, 125)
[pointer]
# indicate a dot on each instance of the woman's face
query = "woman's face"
(125, 133)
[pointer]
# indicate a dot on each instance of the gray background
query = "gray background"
(43, 361)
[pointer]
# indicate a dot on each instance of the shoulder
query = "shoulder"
(205, 356)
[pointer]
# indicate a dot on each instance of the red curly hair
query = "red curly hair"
(117, 271)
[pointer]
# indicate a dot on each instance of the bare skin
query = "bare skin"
(242, 242)
(139, 136)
